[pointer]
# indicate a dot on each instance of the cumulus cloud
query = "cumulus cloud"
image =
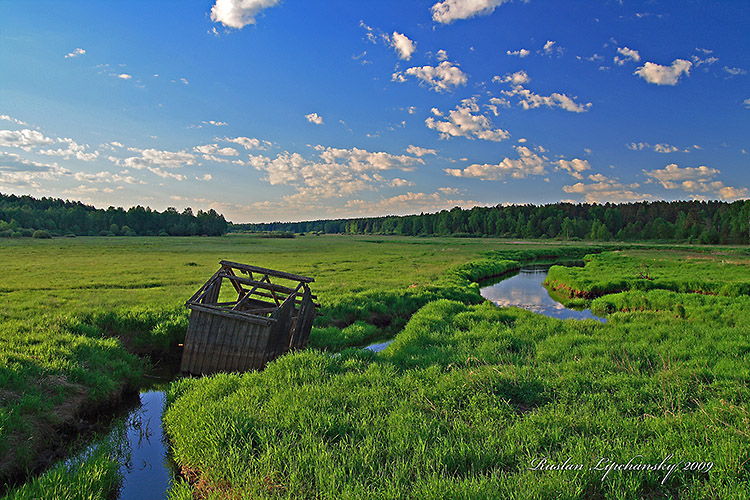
(420, 152)
(520, 53)
(314, 118)
(334, 172)
(466, 121)
(215, 149)
(155, 161)
(529, 100)
(408, 203)
(448, 11)
(123, 76)
(573, 167)
(441, 78)
(517, 78)
(627, 55)
(660, 148)
(249, 142)
(25, 139)
(528, 163)
(604, 189)
(71, 149)
(239, 13)
(21, 173)
(695, 180)
(672, 175)
(734, 71)
(14, 120)
(664, 75)
(77, 52)
(402, 45)
(551, 48)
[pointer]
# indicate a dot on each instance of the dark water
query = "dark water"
(525, 290)
(146, 467)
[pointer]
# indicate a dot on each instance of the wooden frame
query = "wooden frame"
(265, 320)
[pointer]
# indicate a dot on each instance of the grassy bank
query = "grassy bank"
(716, 272)
(466, 400)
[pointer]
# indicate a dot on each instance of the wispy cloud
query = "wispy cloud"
(76, 53)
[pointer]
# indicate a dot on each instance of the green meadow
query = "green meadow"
(467, 401)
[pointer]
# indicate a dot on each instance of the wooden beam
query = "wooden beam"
(270, 272)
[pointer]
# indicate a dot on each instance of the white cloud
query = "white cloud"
(249, 142)
(25, 139)
(239, 13)
(520, 53)
(124, 76)
(746, 102)
(604, 189)
(21, 173)
(529, 100)
(517, 78)
(627, 55)
(407, 203)
(574, 167)
(215, 149)
(660, 148)
(314, 118)
(466, 121)
(14, 120)
(671, 175)
(440, 78)
(153, 160)
(664, 75)
(402, 45)
(72, 149)
(77, 52)
(204, 177)
(215, 123)
(441, 55)
(695, 180)
(448, 11)
(551, 48)
(527, 163)
(400, 183)
(420, 152)
(332, 173)
(734, 71)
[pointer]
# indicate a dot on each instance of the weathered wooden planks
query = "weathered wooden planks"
(247, 333)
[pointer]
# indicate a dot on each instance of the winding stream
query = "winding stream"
(525, 290)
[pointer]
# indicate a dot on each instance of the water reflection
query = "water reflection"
(525, 290)
(146, 472)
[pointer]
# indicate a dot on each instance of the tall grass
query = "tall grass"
(464, 401)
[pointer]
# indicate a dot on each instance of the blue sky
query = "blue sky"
(290, 110)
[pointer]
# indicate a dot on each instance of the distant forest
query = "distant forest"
(46, 217)
(707, 222)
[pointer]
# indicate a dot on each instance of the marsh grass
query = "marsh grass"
(462, 402)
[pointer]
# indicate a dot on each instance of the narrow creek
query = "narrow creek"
(522, 289)
(526, 290)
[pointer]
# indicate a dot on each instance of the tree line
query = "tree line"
(45, 217)
(706, 222)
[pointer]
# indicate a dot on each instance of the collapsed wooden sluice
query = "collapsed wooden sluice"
(264, 321)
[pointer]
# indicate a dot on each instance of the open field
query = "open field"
(75, 308)
(460, 405)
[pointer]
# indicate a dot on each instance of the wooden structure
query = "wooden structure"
(264, 321)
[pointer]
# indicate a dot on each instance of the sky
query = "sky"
(288, 110)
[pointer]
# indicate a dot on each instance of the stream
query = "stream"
(523, 289)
